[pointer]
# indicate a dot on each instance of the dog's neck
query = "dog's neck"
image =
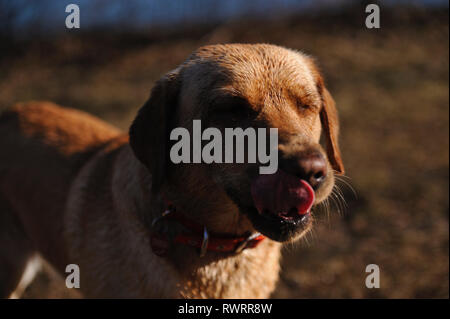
(198, 197)
(193, 193)
(211, 273)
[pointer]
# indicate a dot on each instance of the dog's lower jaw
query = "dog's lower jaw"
(299, 235)
(278, 229)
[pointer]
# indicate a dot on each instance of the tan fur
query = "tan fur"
(73, 189)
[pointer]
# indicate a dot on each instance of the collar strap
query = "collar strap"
(198, 237)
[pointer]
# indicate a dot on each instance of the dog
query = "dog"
(76, 190)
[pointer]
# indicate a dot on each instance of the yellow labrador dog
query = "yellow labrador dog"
(78, 191)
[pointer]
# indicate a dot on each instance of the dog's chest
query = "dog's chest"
(251, 274)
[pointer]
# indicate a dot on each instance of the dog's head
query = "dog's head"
(246, 86)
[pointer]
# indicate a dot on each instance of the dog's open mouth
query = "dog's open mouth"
(282, 205)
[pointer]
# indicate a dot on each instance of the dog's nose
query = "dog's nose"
(311, 167)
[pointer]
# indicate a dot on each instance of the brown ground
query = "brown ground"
(391, 86)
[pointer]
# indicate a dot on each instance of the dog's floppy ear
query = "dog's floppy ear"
(330, 125)
(149, 132)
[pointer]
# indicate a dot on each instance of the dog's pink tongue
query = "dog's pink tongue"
(281, 194)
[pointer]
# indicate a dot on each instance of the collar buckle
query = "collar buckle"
(159, 218)
(244, 244)
(205, 240)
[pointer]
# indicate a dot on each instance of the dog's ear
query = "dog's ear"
(329, 120)
(330, 125)
(150, 130)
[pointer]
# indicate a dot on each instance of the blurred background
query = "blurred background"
(390, 84)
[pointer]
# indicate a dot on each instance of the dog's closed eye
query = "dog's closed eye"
(306, 102)
(232, 108)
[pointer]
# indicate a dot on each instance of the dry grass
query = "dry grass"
(391, 86)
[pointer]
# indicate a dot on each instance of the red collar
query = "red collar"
(198, 236)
